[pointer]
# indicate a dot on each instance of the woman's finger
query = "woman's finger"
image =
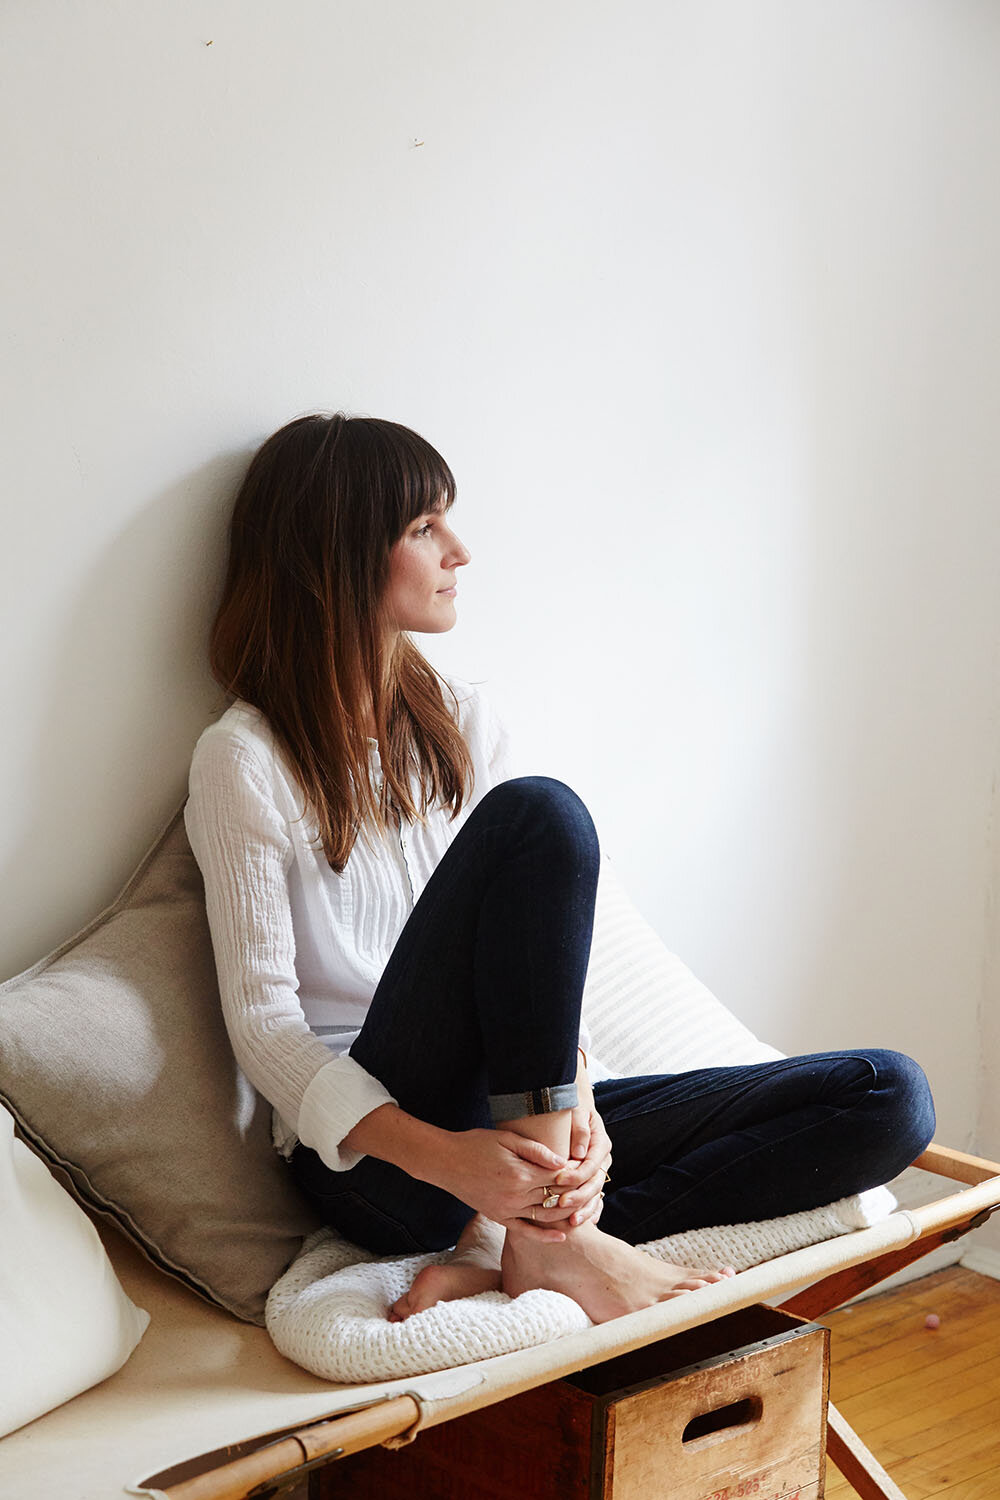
(533, 1151)
(598, 1159)
(534, 1229)
(580, 1135)
(595, 1184)
(592, 1212)
(588, 1212)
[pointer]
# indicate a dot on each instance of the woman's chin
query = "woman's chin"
(436, 624)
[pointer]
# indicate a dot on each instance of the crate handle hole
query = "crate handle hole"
(723, 1420)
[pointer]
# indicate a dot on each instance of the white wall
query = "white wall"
(985, 1254)
(699, 299)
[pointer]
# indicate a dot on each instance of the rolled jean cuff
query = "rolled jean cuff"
(533, 1102)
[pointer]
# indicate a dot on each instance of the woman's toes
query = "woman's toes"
(698, 1279)
(425, 1291)
(443, 1283)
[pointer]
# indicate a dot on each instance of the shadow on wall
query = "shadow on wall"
(128, 695)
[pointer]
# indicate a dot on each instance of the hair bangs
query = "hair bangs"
(425, 482)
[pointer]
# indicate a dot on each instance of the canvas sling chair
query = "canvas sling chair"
(206, 1408)
(250, 1423)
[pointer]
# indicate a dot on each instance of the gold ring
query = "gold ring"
(532, 1213)
(552, 1201)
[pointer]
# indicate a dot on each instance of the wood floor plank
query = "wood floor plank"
(950, 1303)
(941, 1292)
(966, 1411)
(954, 1461)
(897, 1399)
(901, 1430)
(926, 1401)
(958, 1358)
(984, 1487)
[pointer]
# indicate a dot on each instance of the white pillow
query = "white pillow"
(646, 1011)
(65, 1321)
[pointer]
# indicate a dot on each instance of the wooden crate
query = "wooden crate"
(733, 1409)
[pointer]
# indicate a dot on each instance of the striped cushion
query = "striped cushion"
(646, 1011)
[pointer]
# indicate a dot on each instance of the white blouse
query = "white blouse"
(300, 949)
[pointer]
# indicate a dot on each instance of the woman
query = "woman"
(402, 933)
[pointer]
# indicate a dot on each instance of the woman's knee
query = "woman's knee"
(905, 1097)
(549, 804)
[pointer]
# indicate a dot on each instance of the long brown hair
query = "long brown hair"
(301, 632)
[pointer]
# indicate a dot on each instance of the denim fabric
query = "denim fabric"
(477, 1015)
(730, 1145)
(480, 999)
(476, 1021)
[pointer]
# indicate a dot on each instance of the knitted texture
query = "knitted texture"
(745, 1245)
(328, 1312)
(332, 1319)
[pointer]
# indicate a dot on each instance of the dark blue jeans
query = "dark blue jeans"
(476, 1019)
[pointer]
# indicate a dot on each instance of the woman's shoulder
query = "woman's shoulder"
(472, 706)
(239, 737)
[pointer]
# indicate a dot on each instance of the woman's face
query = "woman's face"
(422, 567)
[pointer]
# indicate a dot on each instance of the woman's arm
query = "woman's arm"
(496, 1172)
(241, 843)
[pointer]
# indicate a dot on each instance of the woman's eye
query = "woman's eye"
(424, 530)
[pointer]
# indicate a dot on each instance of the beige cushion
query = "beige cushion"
(116, 1065)
(65, 1322)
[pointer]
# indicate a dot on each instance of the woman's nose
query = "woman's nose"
(460, 553)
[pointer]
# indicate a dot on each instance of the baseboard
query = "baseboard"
(982, 1259)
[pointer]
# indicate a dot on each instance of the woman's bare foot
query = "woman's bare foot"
(604, 1275)
(474, 1267)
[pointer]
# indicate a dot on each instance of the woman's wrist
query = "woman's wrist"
(392, 1135)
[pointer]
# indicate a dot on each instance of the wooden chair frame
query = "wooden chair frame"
(277, 1464)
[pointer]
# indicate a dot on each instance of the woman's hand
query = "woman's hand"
(502, 1175)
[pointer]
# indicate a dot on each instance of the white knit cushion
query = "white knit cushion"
(65, 1321)
(330, 1315)
(646, 1011)
(745, 1245)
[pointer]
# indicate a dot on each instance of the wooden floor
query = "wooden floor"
(926, 1401)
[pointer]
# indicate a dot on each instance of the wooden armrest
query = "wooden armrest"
(957, 1165)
